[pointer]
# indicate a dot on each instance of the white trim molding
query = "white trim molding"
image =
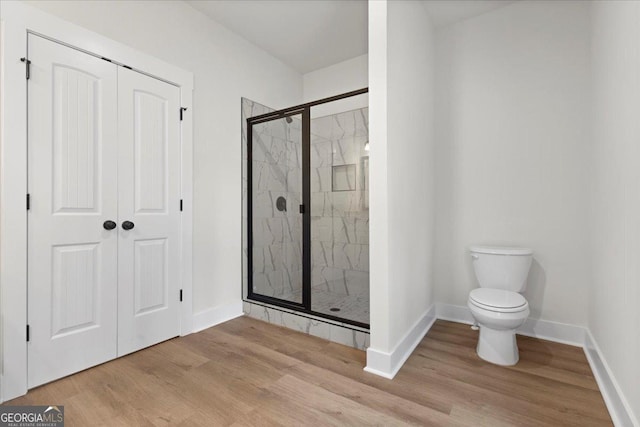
(536, 328)
(214, 316)
(453, 313)
(386, 364)
(19, 19)
(2, 49)
(618, 406)
(553, 331)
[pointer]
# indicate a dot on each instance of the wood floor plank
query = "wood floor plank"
(460, 392)
(371, 397)
(491, 416)
(511, 376)
(249, 373)
(329, 408)
(407, 389)
(550, 395)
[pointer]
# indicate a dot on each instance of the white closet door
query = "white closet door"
(149, 198)
(72, 167)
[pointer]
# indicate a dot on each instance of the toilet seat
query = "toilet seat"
(498, 300)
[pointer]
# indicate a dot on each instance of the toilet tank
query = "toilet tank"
(500, 267)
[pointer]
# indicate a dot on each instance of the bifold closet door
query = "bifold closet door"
(73, 193)
(148, 211)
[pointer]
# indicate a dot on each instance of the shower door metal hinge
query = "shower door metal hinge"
(180, 295)
(301, 209)
(27, 65)
(28, 333)
(182, 110)
(180, 205)
(28, 201)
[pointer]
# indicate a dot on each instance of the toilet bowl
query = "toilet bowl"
(498, 317)
(497, 305)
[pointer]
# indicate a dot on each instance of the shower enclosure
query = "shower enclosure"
(307, 208)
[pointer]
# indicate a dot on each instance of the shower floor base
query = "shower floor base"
(350, 307)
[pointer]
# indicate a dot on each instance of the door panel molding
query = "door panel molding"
(151, 175)
(147, 254)
(80, 312)
(76, 185)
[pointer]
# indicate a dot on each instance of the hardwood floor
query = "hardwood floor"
(246, 372)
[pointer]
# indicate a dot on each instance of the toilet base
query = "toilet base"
(498, 346)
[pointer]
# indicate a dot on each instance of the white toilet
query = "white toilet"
(497, 305)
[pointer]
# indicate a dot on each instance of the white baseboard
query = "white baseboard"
(216, 315)
(618, 406)
(454, 313)
(537, 328)
(379, 363)
(553, 331)
(386, 364)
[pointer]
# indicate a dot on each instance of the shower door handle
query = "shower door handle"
(301, 209)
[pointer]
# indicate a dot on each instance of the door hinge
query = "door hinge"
(28, 201)
(180, 295)
(28, 335)
(27, 65)
(180, 205)
(301, 209)
(182, 110)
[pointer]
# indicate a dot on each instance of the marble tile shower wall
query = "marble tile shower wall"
(340, 203)
(277, 235)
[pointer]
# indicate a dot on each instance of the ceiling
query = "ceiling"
(311, 34)
(306, 35)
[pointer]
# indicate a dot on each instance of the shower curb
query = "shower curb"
(340, 333)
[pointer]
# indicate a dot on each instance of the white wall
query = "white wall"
(513, 138)
(402, 176)
(226, 67)
(614, 297)
(411, 164)
(342, 77)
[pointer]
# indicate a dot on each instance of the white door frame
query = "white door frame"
(17, 20)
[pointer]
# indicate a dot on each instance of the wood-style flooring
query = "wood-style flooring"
(250, 373)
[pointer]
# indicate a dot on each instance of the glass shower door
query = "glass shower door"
(340, 211)
(275, 262)
(307, 207)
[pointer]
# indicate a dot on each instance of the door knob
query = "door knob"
(128, 225)
(109, 225)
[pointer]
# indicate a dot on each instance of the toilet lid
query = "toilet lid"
(498, 299)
